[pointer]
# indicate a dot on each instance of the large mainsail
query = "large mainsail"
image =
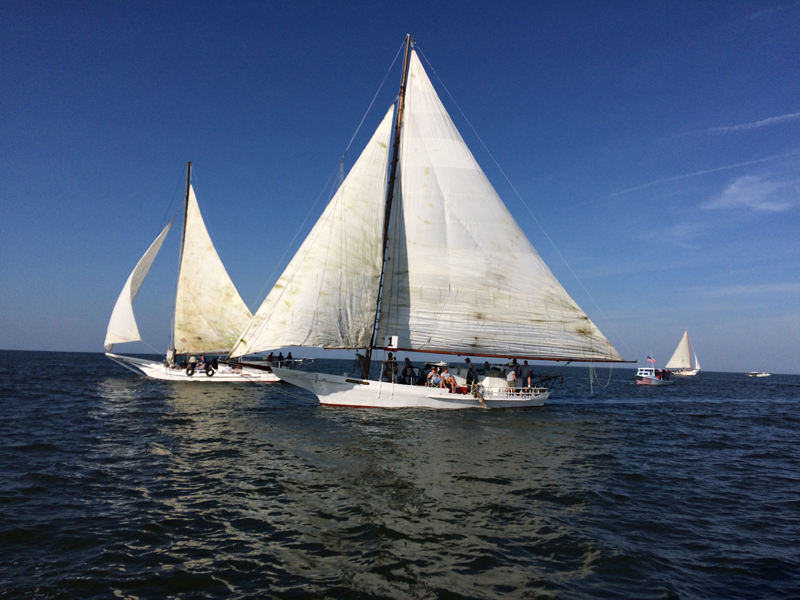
(327, 295)
(682, 358)
(209, 313)
(122, 325)
(461, 275)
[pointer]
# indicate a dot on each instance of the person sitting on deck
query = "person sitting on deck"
(448, 381)
(434, 379)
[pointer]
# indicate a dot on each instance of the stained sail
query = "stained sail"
(462, 277)
(122, 325)
(327, 295)
(682, 358)
(209, 313)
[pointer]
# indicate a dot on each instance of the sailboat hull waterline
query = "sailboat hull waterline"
(225, 374)
(344, 391)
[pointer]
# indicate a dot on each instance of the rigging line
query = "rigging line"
(530, 212)
(181, 180)
(441, 312)
(380, 87)
(299, 229)
(292, 395)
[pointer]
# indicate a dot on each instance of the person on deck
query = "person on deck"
(511, 380)
(289, 356)
(271, 357)
(471, 378)
(391, 368)
(448, 381)
(280, 359)
(407, 375)
(525, 373)
(434, 379)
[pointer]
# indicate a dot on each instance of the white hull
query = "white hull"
(158, 370)
(651, 381)
(337, 390)
(686, 373)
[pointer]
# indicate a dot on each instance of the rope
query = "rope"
(338, 169)
(593, 375)
(380, 87)
(278, 388)
(530, 212)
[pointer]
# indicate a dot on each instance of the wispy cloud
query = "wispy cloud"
(747, 290)
(755, 124)
(756, 193)
(683, 235)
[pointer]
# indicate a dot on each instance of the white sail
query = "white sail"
(328, 294)
(122, 325)
(461, 275)
(681, 359)
(209, 313)
(696, 362)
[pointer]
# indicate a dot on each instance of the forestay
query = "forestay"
(209, 313)
(122, 325)
(328, 294)
(461, 275)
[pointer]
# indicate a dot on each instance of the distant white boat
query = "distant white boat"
(209, 313)
(758, 374)
(681, 361)
(652, 376)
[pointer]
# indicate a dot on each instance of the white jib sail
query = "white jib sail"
(681, 359)
(209, 313)
(122, 325)
(461, 276)
(327, 296)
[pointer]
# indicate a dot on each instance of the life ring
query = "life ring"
(209, 371)
(190, 370)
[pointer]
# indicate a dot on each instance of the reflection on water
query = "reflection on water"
(152, 489)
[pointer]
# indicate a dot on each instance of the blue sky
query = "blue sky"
(657, 144)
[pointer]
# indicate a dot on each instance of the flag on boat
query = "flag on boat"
(651, 359)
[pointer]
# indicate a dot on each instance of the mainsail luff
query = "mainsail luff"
(389, 198)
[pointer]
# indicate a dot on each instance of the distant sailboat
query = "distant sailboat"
(681, 361)
(429, 260)
(209, 313)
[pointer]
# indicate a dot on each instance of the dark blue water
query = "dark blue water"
(112, 485)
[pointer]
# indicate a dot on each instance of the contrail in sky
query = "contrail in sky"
(706, 172)
(761, 123)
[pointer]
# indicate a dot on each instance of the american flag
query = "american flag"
(651, 359)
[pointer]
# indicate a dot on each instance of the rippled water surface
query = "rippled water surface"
(112, 485)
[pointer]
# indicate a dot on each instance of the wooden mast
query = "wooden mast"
(389, 197)
(183, 240)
